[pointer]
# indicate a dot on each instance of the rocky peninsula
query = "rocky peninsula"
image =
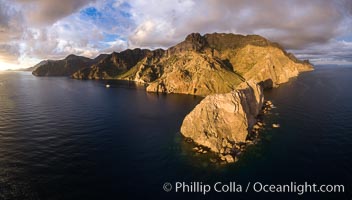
(229, 70)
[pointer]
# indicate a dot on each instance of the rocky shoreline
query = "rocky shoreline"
(231, 153)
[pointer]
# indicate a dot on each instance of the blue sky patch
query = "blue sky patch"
(91, 12)
(345, 38)
(112, 37)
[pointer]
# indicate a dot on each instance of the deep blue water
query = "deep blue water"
(68, 139)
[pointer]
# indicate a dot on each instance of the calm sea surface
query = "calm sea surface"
(68, 139)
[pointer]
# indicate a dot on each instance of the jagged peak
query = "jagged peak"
(194, 37)
(218, 41)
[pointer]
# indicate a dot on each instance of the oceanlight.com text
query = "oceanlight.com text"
(257, 187)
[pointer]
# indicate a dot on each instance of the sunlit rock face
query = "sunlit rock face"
(217, 63)
(221, 120)
(224, 119)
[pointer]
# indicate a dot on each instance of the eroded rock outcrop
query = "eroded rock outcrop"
(220, 121)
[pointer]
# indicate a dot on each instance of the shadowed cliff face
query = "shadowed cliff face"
(65, 67)
(115, 65)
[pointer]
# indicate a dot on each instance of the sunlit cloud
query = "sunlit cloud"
(32, 30)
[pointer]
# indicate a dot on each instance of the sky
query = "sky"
(35, 30)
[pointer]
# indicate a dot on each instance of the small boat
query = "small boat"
(276, 125)
(107, 85)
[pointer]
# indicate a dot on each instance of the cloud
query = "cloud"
(10, 33)
(335, 51)
(160, 23)
(9, 53)
(44, 12)
(295, 24)
(73, 29)
(61, 39)
(51, 29)
(10, 23)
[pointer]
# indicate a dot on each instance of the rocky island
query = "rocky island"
(229, 70)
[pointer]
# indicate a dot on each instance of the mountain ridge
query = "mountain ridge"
(230, 70)
(227, 58)
(64, 67)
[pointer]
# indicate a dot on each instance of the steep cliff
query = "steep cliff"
(220, 121)
(217, 63)
(267, 64)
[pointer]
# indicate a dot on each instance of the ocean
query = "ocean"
(70, 139)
